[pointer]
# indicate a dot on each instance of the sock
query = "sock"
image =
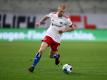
(36, 59)
(55, 56)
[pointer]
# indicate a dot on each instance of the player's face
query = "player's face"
(60, 12)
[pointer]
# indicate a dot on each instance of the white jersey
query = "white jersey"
(57, 23)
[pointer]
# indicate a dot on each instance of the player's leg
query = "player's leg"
(54, 53)
(38, 55)
(43, 46)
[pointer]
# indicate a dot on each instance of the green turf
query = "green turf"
(89, 61)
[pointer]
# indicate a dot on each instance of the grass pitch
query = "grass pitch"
(89, 61)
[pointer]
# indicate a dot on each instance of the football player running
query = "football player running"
(59, 24)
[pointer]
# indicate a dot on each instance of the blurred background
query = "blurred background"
(23, 14)
(84, 48)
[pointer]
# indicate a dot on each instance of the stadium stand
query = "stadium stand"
(42, 6)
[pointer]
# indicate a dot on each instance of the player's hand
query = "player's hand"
(38, 24)
(74, 26)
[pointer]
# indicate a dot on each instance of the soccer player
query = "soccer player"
(59, 24)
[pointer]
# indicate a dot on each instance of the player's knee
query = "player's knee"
(53, 52)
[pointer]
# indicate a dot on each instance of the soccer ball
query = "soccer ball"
(67, 68)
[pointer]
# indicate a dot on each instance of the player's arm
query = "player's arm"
(70, 28)
(42, 21)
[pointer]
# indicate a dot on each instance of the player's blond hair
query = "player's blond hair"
(62, 6)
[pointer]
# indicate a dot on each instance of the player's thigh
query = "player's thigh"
(43, 46)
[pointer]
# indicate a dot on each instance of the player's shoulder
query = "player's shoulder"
(67, 17)
(53, 13)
